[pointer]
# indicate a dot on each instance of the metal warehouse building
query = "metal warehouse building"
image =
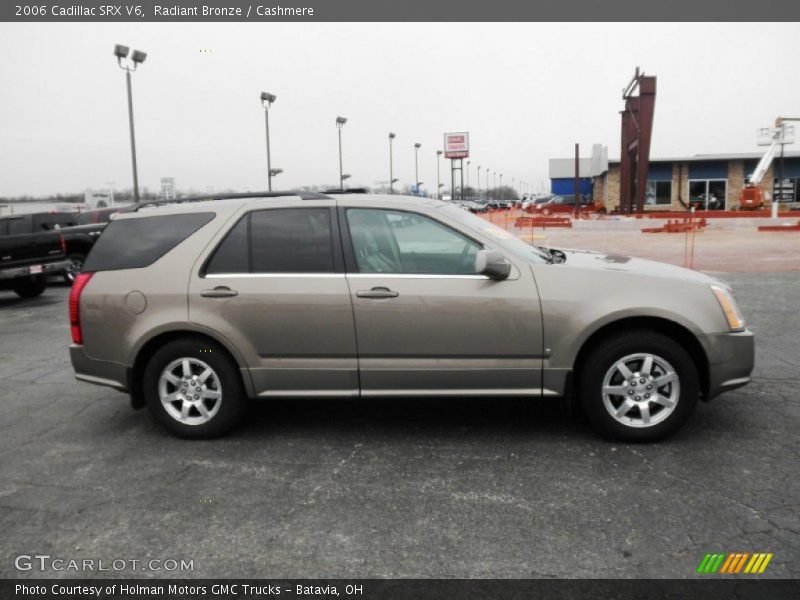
(714, 180)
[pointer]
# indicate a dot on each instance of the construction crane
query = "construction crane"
(752, 197)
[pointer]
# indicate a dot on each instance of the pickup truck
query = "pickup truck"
(31, 248)
(80, 238)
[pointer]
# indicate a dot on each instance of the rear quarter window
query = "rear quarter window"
(137, 243)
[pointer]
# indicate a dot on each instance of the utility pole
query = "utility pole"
(391, 168)
(137, 58)
(266, 101)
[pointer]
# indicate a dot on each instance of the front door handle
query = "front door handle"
(377, 292)
(219, 292)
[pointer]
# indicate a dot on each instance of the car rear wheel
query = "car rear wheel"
(30, 287)
(638, 386)
(75, 267)
(193, 389)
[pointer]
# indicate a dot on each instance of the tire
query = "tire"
(220, 402)
(30, 287)
(76, 266)
(642, 416)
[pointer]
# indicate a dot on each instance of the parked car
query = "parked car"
(31, 248)
(258, 296)
(711, 203)
(560, 204)
(92, 217)
(473, 207)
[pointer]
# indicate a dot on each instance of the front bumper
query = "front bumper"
(51, 268)
(731, 360)
(99, 372)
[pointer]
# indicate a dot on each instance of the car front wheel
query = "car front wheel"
(638, 386)
(193, 389)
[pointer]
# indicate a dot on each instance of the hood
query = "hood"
(584, 259)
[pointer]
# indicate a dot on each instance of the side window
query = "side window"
(231, 255)
(49, 221)
(291, 240)
(386, 241)
(139, 242)
(17, 226)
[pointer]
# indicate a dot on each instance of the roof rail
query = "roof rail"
(304, 195)
(346, 191)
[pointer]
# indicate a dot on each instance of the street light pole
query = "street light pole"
(479, 182)
(340, 121)
(137, 58)
(438, 180)
(391, 168)
(266, 101)
(417, 146)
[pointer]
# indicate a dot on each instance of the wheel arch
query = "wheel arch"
(80, 246)
(151, 345)
(676, 331)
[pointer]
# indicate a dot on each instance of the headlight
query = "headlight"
(729, 308)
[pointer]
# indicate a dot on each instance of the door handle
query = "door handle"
(377, 292)
(219, 292)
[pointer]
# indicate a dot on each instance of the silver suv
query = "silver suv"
(193, 307)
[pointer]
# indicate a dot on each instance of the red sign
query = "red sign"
(456, 145)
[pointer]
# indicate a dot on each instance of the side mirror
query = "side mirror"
(492, 264)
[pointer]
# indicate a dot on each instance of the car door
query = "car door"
(275, 287)
(426, 324)
(19, 244)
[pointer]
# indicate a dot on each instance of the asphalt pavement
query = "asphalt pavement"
(409, 488)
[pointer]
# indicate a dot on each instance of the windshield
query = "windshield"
(505, 239)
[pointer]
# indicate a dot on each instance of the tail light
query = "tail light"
(63, 244)
(75, 306)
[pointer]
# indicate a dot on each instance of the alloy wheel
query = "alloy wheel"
(641, 390)
(190, 391)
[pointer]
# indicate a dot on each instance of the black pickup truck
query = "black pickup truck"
(31, 248)
(81, 236)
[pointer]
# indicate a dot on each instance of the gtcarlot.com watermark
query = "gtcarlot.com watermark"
(48, 563)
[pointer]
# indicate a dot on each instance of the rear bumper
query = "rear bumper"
(99, 372)
(51, 268)
(731, 360)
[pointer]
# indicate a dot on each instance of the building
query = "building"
(562, 172)
(98, 198)
(712, 180)
(167, 188)
(562, 176)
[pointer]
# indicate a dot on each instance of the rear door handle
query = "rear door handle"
(377, 292)
(219, 292)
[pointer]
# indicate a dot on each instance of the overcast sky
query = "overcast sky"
(525, 92)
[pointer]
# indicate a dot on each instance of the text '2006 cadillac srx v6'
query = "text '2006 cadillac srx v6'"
(226, 299)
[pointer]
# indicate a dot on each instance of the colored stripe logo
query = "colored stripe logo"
(734, 563)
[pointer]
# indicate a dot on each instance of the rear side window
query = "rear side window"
(280, 240)
(96, 216)
(18, 226)
(48, 222)
(232, 255)
(137, 243)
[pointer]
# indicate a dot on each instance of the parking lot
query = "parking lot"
(413, 488)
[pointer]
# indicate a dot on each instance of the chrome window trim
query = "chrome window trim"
(263, 275)
(466, 392)
(413, 276)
